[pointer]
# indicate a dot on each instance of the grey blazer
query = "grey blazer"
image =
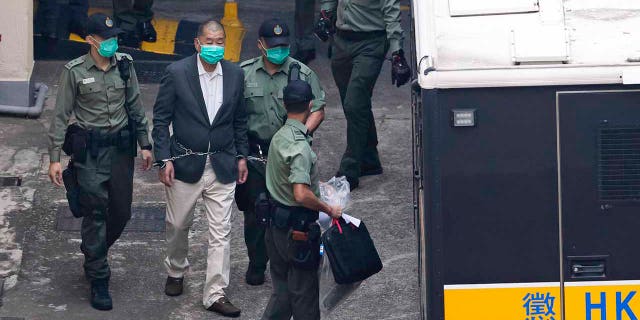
(180, 103)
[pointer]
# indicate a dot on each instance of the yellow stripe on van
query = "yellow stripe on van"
(166, 39)
(503, 301)
(597, 300)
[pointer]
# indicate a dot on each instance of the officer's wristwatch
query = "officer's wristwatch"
(147, 147)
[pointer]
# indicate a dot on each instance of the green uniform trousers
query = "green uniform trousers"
(130, 12)
(245, 196)
(304, 24)
(106, 187)
(356, 65)
(295, 291)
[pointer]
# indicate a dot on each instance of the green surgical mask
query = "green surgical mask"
(277, 55)
(108, 47)
(211, 54)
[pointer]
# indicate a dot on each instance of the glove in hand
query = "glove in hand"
(400, 71)
(325, 27)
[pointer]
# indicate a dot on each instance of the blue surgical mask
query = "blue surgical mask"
(277, 55)
(211, 54)
(108, 47)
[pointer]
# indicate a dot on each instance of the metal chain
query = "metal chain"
(252, 158)
(258, 159)
(187, 152)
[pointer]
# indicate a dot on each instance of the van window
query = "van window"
(461, 8)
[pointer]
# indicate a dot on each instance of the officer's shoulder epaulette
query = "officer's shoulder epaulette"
(74, 62)
(119, 56)
(248, 62)
(305, 69)
(298, 136)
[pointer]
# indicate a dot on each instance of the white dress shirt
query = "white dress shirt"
(211, 84)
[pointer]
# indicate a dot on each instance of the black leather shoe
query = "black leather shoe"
(174, 286)
(353, 182)
(305, 56)
(224, 307)
(254, 278)
(129, 39)
(148, 32)
(100, 297)
(366, 170)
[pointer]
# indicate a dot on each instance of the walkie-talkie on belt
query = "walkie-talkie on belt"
(124, 67)
(294, 71)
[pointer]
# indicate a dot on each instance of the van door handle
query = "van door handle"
(588, 268)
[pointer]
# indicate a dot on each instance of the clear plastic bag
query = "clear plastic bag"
(334, 192)
(331, 293)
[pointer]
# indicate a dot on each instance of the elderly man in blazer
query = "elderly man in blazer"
(202, 98)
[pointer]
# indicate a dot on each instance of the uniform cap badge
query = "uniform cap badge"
(108, 22)
(277, 30)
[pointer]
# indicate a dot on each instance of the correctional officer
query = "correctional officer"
(265, 78)
(293, 239)
(304, 23)
(104, 147)
(366, 30)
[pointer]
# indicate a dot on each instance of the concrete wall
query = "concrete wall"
(16, 47)
(16, 52)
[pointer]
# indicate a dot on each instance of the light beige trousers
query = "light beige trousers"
(217, 198)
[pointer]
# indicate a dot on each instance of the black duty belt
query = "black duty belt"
(298, 213)
(115, 139)
(360, 35)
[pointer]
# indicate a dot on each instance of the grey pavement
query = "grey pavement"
(42, 267)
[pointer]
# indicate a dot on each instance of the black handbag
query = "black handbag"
(351, 252)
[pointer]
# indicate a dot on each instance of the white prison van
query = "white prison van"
(527, 158)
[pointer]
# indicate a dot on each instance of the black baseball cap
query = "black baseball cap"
(102, 25)
(297, 91)
(275, 32)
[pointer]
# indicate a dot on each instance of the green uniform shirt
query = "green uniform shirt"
(96, 98)
(369, 15)
(291, 160)
(263, 96)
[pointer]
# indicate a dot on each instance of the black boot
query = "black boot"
(353, 182)
(129, 39)
(147, 31)
(253, 277)
(174, 286)
(100, 297)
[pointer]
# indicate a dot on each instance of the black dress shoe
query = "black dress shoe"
(100, 297)
(305, 56)
(366, 170)
(254, 278)
(174, 286)
(224, 307)
(148, 32)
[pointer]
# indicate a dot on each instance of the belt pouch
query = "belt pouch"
(70, 179)
(281, 217)
(79, 142)
(305, 254)
(263, 209)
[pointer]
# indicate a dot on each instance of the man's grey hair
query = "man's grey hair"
(211, 25)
